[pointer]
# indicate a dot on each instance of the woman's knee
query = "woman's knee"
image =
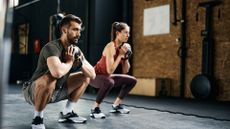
(102, 82)
(105, 84)
(109, 83)
(132, 80)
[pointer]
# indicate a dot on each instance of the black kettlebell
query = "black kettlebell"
(129, 51)
(128, 54)
(77, 53)
(78, 58)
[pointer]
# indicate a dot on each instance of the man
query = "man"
(53, 80)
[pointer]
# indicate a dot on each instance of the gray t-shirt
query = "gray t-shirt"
(53, 48)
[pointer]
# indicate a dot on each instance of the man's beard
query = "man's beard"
(73, 41)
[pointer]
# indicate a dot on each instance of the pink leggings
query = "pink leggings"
(106, 83)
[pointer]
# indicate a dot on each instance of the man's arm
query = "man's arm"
(58, 68)
(88, 69)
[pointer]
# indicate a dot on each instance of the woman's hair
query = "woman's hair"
(117, 26)
(68, 18)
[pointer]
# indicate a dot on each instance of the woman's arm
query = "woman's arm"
(125, 61)
(125, 66)
(109, 52)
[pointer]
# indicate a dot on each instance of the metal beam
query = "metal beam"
(26, 4)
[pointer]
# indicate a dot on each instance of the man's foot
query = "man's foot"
(71, 117)
(119, 109)
(96, 113)
(38, 123)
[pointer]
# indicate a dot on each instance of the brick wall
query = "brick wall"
(157, 55)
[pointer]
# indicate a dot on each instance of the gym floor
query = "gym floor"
(146, 113)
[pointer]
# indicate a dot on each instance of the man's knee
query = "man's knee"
(87, 80)
(46, 83)
(48, 89)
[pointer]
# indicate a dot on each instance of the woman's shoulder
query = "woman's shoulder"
(109, 48)
(110, 45)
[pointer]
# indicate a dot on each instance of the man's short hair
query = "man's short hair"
(68, 18)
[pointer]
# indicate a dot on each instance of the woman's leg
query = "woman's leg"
(126, 82)
(104, 85)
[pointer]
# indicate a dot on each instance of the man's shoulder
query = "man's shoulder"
(53, 44)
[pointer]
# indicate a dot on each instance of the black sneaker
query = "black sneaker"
(119, 109)
(38, 123)
(96, 113)
(71, 117)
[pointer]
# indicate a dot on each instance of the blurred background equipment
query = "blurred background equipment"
(6, 13)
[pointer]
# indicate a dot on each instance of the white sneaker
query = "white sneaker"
(38, 123)
(71, 117)
(96, 113)
(119, 109)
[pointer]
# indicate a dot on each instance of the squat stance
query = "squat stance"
(53, 80)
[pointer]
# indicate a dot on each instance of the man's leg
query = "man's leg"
(43, 90)
(44, 87)
(76, 85)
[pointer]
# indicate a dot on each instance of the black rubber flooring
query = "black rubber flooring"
(146, 113)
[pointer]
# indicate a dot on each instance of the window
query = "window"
(23, 34)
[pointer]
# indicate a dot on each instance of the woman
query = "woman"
(115, 52)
